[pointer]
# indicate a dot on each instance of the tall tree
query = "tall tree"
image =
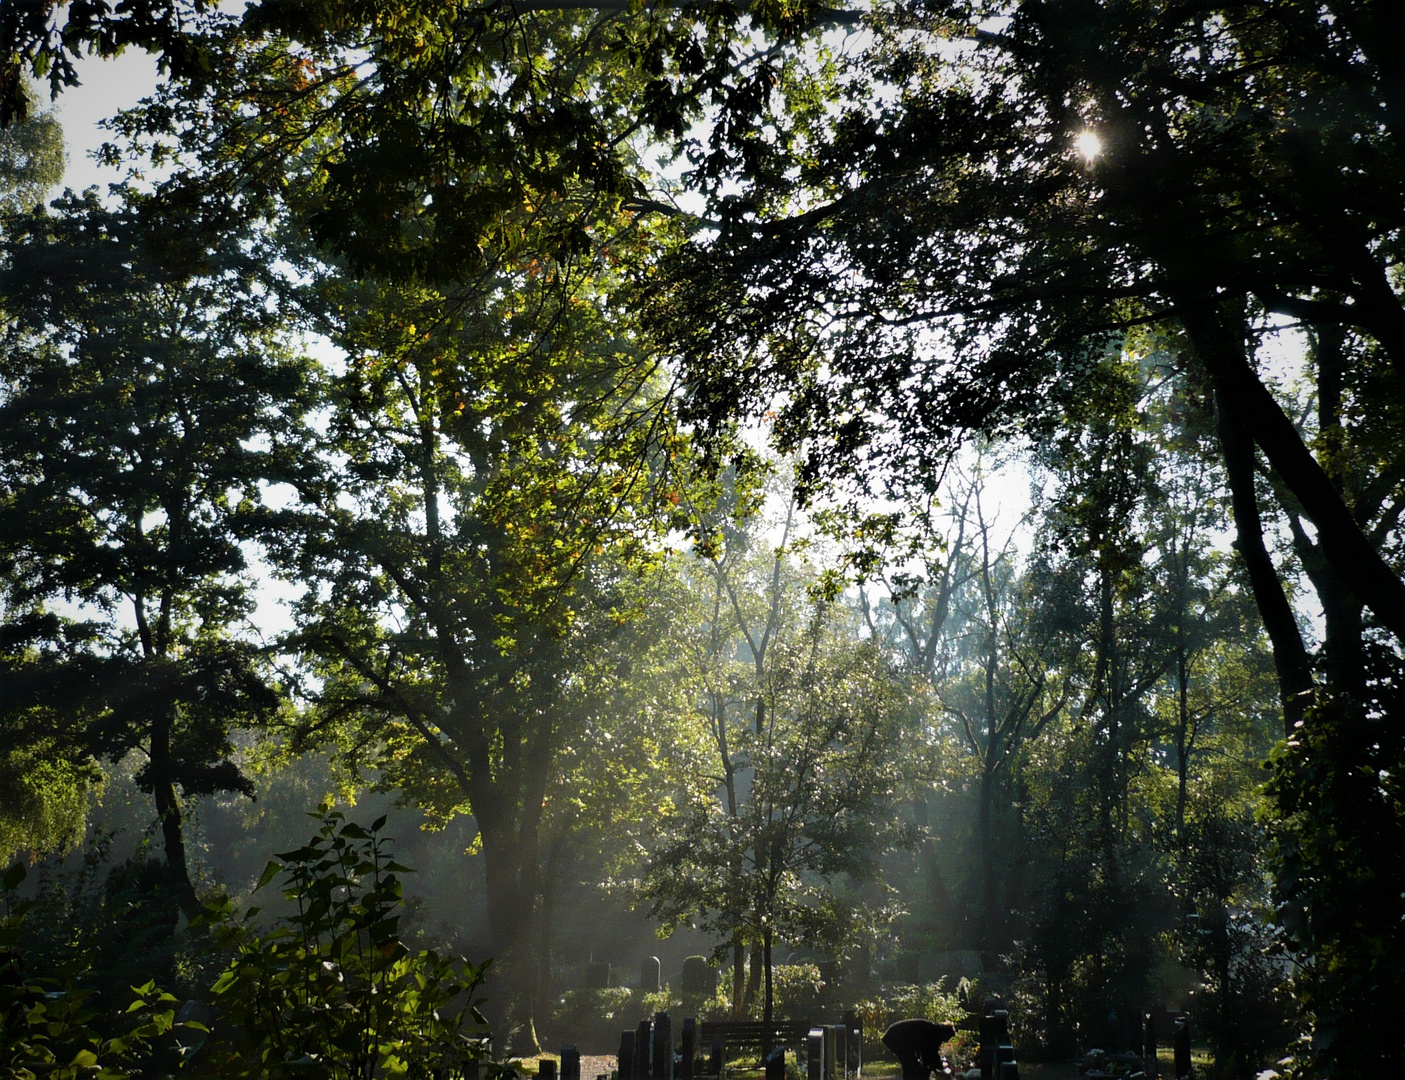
(491, 478)
(791, 776)
(32, 160)
(149, 396)
(964, 625)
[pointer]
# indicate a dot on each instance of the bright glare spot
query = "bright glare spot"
(1088, 144)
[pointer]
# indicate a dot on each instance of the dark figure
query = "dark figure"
(918, 1045)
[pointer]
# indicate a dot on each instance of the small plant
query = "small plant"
(332, 992)
(51, 1027)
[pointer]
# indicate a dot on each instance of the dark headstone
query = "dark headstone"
(1149, 1045)
(643, 1039)
(687, 1061)
(570, 1063)
(546, 1069)
(775, 1064)
(663, 1047)
(1181, 1042)
(651, 976)
(917, 1044)
(995, 1032)
(625, 1065)
(699, 979)
(597, 976)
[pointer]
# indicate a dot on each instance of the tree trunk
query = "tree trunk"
(768, 1009)
(1247, 409)
(168, 812)
(754, 967)
(738, 976)
(510, 864)
(1214, 344)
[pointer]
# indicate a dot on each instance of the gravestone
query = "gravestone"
(1149, 1045)
(814, 1056)
(570, 1063)
(663, 1047)
(853, 1064)
(995, 1032)
(1181, 1042)
(642, 1046)
(687, 1062)
(699, 978)
(546, 1069)
(775, 1063)
(1113, 1039)
(1006, 1067)
(836, 1053)
(597, 975)
(651, 976)
(625, 1066)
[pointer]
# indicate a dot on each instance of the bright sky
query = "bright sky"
(108, 86)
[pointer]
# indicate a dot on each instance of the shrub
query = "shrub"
(332, 992)
(52, 1027)
(929, 1001)
(592, 1019)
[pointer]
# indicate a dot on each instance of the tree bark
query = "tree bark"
(1245, 407)
(1235, 427)
(168, 812)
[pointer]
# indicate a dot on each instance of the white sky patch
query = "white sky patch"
(107, 87)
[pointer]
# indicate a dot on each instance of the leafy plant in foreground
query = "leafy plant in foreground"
(331, 991)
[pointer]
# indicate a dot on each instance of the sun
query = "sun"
(1088, 144)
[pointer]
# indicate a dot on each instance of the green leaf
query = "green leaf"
(13, 876)
(270, 872)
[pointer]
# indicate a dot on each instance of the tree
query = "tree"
(963, 625)
(148, 397)
(789, 778)
(488, 485)
(32, 160)
(942, 257)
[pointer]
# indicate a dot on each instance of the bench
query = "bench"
(836, 1049)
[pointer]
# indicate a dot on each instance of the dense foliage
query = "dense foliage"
(412, 322)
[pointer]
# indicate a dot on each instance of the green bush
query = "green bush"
(592, 1019)
(53, 1028)
(929, 1001)
(798, 992)
(332, 993)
